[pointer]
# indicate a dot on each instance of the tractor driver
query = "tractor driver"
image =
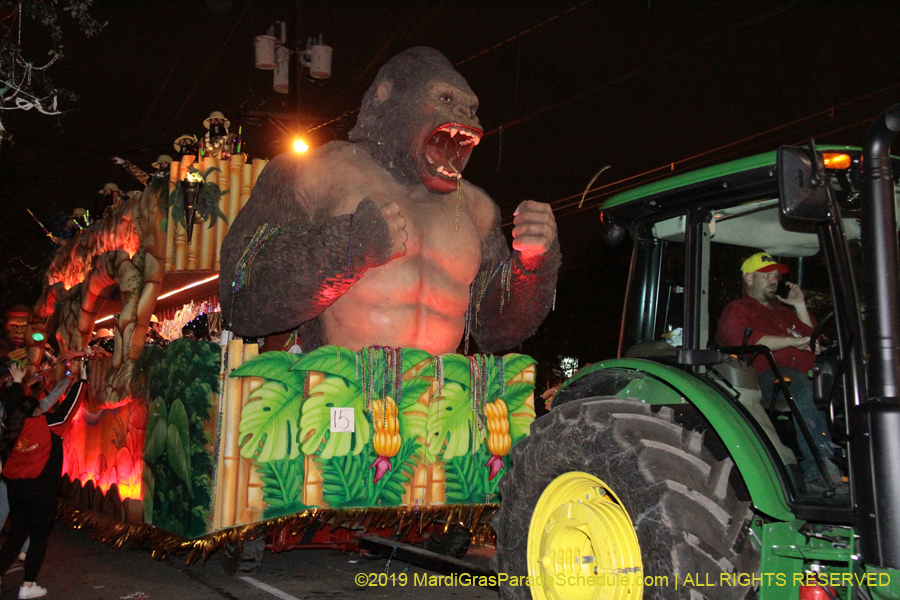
(784, 325)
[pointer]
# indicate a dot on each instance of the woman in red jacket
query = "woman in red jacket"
(31, 458)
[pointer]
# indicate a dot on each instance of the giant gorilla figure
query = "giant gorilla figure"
(378, 241)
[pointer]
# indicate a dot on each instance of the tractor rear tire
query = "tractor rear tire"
(681, 501)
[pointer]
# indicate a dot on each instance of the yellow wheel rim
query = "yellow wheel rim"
(581, 543)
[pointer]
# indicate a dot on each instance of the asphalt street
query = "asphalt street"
(79, 568)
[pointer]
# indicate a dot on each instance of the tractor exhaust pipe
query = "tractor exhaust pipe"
(876, 422)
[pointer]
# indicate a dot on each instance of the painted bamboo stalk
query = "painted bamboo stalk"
(181, 245)
(437, 484)
(245, 465)
(230, 202)
(229, 451)
(312, 482)
(417, 488)
(312, 472)
(246, 187)
(258, 165)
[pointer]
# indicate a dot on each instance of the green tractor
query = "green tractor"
(673, 471)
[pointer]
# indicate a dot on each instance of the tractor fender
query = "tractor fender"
(658, 384)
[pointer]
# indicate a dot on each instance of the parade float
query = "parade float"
(199, 444)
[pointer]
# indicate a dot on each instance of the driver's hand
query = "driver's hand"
(802, 343)
(795, 295)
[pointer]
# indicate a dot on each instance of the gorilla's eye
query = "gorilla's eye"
(446, 98)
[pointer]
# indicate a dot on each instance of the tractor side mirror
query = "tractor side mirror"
(803, 187)
(613, 233)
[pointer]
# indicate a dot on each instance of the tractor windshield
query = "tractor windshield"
(689, 289)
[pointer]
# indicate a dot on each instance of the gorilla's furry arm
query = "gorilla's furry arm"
(510, 299)
(276, 276)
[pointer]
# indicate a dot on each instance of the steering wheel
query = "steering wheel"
(817, 330)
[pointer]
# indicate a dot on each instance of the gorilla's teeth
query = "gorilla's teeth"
(431, 162)
(454, 131)
(446, 173)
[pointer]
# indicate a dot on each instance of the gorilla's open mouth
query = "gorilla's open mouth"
(448, 149)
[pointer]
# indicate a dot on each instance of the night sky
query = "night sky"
(565, 87)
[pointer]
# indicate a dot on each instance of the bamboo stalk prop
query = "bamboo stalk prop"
(245, 465)
(226, 480)
(246, 178)
(438, 484)
(312, 473)
(231, 202)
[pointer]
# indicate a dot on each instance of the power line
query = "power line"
(159, 94)
(644, 69)
(515, 37)
(209, 65)
(708, 156)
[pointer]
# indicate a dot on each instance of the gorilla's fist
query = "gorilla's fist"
(534, 228)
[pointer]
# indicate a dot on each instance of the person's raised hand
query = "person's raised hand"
(17, 372)
(795, 296)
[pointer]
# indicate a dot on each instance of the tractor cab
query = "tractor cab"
(691, 236)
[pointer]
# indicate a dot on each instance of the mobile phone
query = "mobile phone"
(783, 290)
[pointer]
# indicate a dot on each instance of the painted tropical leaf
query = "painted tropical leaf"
(516, 363)
(413, 420)
(331, 360)
(413, 412)
(268, 429)
(389, 490)
(521, 415)
(345, 482)
(282, 482)
(178, 446)
(459, 478)
(467, 479)
(414, 358)
(449, 418)
(147, 487)
(157, 430)
(410, 390)
(316, 420)
(274, 366)
(456, 368)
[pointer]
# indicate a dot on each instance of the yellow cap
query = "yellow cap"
(764, 263)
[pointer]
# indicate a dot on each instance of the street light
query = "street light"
(300, 146)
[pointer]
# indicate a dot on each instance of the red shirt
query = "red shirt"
(778, 319)
(31, 451)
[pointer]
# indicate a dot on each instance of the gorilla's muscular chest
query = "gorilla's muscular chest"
(443, 249)
(418, 299)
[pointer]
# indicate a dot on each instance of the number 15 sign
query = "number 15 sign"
(342, 420)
